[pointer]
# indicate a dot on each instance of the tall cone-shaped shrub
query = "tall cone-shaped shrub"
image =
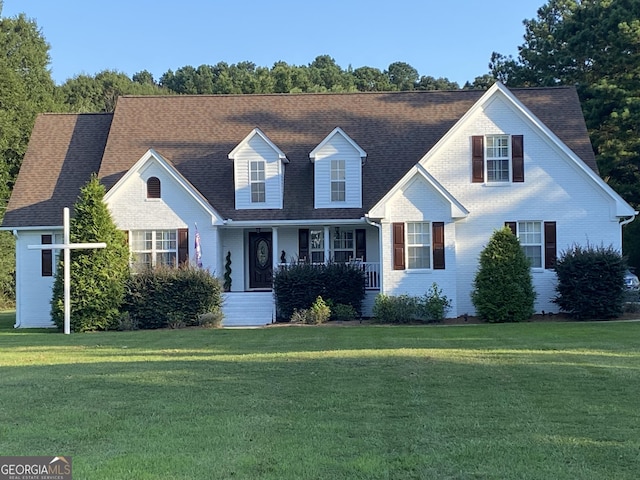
(98, 276)
(503, 289)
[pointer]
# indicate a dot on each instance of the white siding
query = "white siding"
(258, 149)
(232, 240)
(418, 202)
(555, 189)
(33, 291)
(337, 148)
(131, 210)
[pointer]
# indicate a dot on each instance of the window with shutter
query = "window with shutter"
(477, 158)
(47, 257)
(438, 245)
(538, 240)
(398, 246)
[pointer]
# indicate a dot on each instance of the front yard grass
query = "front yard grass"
(514, 401)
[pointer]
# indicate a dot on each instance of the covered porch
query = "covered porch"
(252, 254)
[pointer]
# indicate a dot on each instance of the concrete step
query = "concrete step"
(247, 309)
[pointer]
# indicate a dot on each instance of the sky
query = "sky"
(438, 38)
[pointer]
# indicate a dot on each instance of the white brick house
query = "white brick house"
(411, 183)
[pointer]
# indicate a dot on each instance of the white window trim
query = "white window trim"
(263, 169)
(154, 251)
(487, 158)
(338, 166)
(408, 245)
(541, 244)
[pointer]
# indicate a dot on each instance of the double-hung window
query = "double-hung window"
(530, 235)
(316, 244)
(257, 181)
(418, 245)
(498, 158)
(343, 246)
(151, 248)
(338, 181)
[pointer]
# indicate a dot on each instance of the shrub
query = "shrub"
(296, 287)
(590, 282)
(211, 319)
(98, 276)
(433, 306)
(343, 313)
(320, 311)
(394, 309)
(503, 290)
(172, 297)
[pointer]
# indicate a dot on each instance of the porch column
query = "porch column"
(327, 242)
(275, 249)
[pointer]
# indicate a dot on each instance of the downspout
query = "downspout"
(18, 322)
(379, 227)
(626, 222)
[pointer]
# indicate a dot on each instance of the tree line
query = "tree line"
(592, 44)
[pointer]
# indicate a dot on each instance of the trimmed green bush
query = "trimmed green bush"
(590, 282)
(298, 286)
(503, 289)
(394, 309)
(98, 276)
(343, 313)
(172, 297)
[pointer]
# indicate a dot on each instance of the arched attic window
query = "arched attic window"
(153, 187)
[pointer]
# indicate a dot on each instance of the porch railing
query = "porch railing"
(371, 272)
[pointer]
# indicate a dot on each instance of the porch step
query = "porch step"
(247, 309)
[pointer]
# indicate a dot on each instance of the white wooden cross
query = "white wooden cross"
(66, 246)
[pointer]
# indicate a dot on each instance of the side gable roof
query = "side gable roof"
(64, 150)
(197, 132)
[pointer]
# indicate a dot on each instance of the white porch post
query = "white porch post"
(66, 246)
(275, 248)
(327, 242)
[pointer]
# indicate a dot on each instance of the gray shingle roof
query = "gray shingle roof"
(196, 133)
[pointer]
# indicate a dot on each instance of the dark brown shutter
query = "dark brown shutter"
(153, 187)
(438, 245)
(361, 244)
(398, 246)
(517, 158)
(477, 159)
(47, 257)
(550, 245)
(183, 245)
(303, 245)
(512, 226)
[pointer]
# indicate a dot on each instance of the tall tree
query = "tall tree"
(595, 45)
(402, 75)
(26, 89)
(97, 276)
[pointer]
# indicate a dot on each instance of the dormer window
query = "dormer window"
(338, 181)
(153, 187)
(258, 172)
(337, 167)
(257, 181)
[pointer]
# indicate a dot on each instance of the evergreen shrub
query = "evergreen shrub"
(297, 287)
(503, 289)
(590, 282)
(172, 297)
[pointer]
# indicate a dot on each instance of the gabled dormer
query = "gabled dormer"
(258, 172)
(338, 162)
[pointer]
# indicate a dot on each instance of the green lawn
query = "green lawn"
(516, 401)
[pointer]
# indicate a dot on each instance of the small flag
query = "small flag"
(198, 249)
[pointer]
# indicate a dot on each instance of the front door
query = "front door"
(260, 260)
